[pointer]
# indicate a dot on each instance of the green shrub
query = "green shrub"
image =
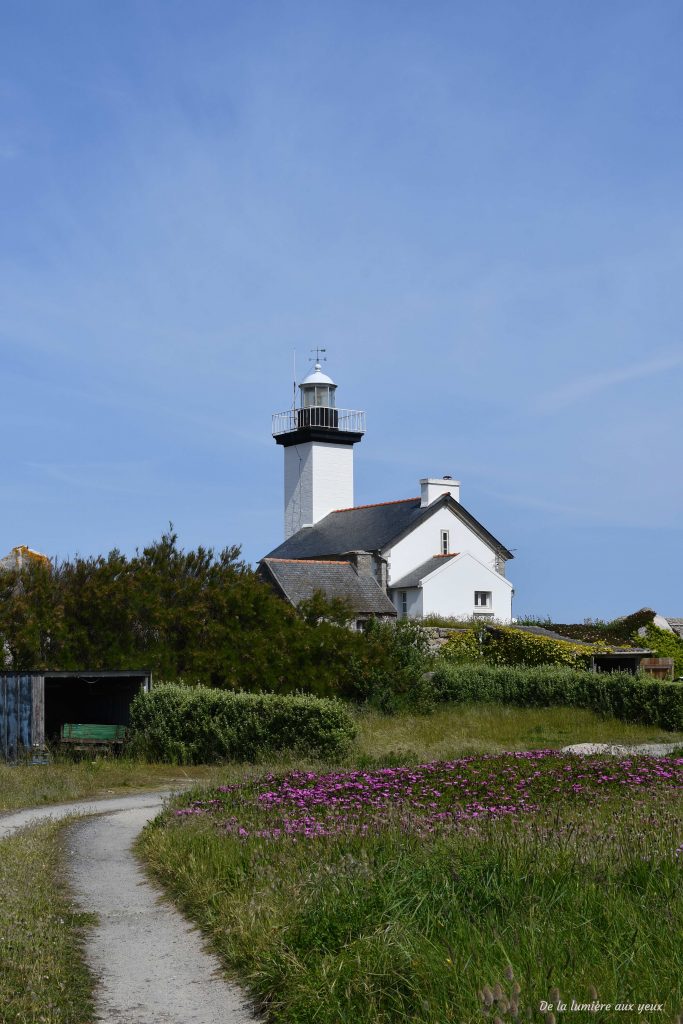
(509, 646)
(618, 632)
(505, 645)
(463, 646)
(387, 670)
(664, 643)
(637, 699)
(196, 725)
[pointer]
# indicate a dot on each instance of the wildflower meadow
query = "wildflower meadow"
(495, 887)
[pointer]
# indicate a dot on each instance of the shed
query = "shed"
(35, 705)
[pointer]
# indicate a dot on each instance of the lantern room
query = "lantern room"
(317, 390)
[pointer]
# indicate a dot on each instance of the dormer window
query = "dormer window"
(445, 543)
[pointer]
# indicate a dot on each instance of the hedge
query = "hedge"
(628, 697)
(199, 725)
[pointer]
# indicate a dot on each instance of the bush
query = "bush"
(199, 725)
(631, 698)
(387, 670)
(505, 645)
(664, 643)
(618, 632)
(464, 646)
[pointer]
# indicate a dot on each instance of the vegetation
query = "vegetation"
(665, 644)
(197, 725)
(628, 697)
(387, 671)
(42, 976)
(407, 737)
(197, 614)
(203, 617)
(453, 892)
(453, 730)
(505, 645)
(618, 633)
(65, 781)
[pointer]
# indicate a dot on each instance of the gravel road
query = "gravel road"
(151, 965)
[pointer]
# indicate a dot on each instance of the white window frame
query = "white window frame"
(445, 543)
(403, 597)
(488, 598)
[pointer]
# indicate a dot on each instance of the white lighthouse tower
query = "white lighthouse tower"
(318, 440)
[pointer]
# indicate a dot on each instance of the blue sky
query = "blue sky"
(476, 209)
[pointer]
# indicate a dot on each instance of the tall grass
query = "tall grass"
(450, 928)
(452, 730)
(66, 781)
(43, 979)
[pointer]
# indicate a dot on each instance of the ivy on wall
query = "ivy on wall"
(501, 645)
(664, 643)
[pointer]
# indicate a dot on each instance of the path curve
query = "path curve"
(151, 965)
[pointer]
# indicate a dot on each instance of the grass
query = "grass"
(482, 728)
(449, 731)
(65, 781)
(42, 976)
(464, 923)
(278, 914)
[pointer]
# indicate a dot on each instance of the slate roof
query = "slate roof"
(676, 624)
(412, 578)
(372, 528)
(299, 579)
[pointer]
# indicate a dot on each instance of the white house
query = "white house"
(428, 554)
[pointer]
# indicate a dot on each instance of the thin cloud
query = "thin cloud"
(584, 387)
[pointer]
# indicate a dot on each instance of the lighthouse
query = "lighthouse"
(318, 439)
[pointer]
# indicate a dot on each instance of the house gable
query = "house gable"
(452, 585)
(381, 528)
(416, 545)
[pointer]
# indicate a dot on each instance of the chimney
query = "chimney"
(433, 487)
(363, 560)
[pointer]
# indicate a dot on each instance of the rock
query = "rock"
(621, 750)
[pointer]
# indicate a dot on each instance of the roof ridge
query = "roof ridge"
(311, 561)
(448, 554)
(376, 504)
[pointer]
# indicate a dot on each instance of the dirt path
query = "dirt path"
(151, 965)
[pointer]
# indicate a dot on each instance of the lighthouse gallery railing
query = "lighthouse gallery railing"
(324, 416)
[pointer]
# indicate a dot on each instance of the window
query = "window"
(482, 598)
(445, 549)
(404, 603)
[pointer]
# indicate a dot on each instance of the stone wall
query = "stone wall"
(437, 636)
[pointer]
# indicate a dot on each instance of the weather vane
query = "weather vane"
(318, 358)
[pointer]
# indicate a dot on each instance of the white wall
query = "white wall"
(414, 596)
(425, 541)
(450, 589)
(318, 480)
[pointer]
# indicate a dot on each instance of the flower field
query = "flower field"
(476, 889)
(429, 798)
